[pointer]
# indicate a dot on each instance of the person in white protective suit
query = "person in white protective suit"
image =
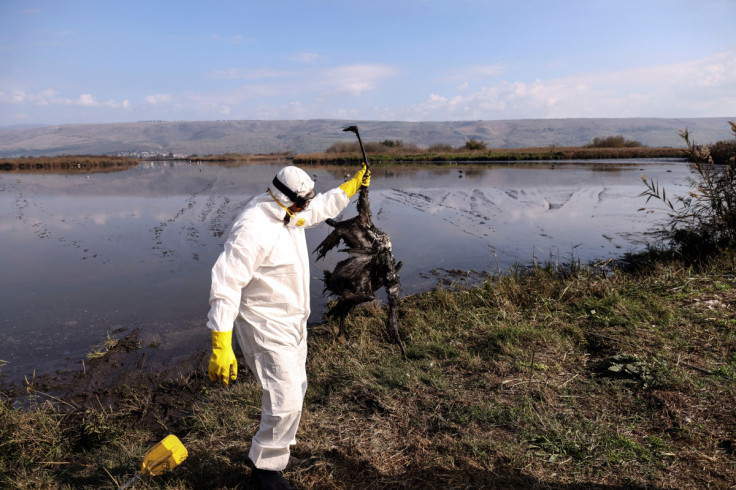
(260, 289)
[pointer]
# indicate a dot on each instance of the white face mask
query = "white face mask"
(289, 213)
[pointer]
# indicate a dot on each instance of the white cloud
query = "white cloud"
(697, 88)
(87, 100)
(17, 96)
(313, 88)
(50, 97)
(356, 79)
(45, 97)
(157, 99)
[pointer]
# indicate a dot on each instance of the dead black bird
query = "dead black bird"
(370, 266)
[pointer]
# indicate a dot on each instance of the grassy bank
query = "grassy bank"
(551, 379)
(492, 155)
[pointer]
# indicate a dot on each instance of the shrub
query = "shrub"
(390, 146)
(343, 147)
(705, 218)
(441, 148)
(473, 144)
(613, 142)
(723, 151)
(371, 147)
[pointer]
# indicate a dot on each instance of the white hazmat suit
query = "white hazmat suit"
(260, 289)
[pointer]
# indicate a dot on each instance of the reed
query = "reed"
(492, 155)
(67, 163)
(703, 219)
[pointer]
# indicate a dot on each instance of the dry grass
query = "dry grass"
(493, 154)
(509, 384)
(67, 164)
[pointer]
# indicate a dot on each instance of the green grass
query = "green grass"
(102, 349)
(505, 384)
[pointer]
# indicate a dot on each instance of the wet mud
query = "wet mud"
(159, 384)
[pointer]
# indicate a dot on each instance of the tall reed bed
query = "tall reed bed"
(68, 163)
(492, 154)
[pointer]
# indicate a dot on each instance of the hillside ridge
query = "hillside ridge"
(315, 135)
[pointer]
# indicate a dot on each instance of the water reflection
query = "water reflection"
(86, 255)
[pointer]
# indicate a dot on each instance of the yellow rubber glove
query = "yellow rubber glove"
(366, 178)
(223, 365)
(361, 178)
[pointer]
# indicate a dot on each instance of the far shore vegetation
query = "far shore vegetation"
(614, 147)
(67, 163)
(387, 151)
(241, 157)
(620, 374)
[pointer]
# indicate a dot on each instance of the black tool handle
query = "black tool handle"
(354, 129)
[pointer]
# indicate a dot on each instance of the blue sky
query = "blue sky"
(91, 61)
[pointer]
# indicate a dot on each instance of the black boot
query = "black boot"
(270, 480)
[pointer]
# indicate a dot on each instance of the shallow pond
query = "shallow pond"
(88, 256)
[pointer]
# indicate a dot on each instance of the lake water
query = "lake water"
(85, 256)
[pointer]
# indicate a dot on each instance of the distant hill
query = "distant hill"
(216, 137)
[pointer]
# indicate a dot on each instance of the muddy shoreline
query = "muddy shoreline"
(167, 373)
(145, 364)
(105, 381)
